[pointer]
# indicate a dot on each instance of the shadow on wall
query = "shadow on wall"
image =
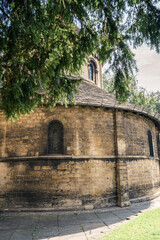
(57, 184)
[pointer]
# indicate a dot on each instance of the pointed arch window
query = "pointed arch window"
(55, 137)
(150, 143)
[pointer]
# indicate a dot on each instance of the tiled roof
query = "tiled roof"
(91, 95)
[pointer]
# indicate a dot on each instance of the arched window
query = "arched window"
(92, 71)
(150, 143)
(55, 137)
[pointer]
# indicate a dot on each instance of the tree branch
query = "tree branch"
(4, 12)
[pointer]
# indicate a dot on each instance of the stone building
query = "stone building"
(94, 154)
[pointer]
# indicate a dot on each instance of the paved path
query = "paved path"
(83, 225)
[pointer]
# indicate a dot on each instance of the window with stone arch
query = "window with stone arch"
(55, 137)
(92, 71)
(150, 143)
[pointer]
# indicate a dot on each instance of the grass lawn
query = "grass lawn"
(144, 227)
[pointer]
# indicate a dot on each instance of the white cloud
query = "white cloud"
(148, 62)
(158, 5)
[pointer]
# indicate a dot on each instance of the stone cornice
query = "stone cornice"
(78, 157)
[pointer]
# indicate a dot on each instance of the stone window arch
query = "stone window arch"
(55, 137)
(92, 71)
(150, 143)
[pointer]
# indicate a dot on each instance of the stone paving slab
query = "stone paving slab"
(88, 218)
(9, 223)
(92, 230)
(123, 214)
(78, 236)
(80, 225)
(69, 230)
(5, 234)
(68, 220)
(24, 235)
(28, 222)
(109, 220)
(92, 226)
(47, 232)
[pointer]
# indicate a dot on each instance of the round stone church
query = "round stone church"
(94, 154)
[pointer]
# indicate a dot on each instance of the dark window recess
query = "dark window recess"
(150, 143)
(55, 137)
(90, 72)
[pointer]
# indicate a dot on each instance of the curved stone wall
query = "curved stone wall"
(87, 131)
(106, 159)
(66, 183)
(76, 182)
(132, 134)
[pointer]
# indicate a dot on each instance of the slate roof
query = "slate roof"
(91, 95)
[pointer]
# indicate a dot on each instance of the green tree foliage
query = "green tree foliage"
(40, 46)
(143, 98)
(138, 95)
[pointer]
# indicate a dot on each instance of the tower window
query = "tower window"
(150, 143)
(90, 72)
